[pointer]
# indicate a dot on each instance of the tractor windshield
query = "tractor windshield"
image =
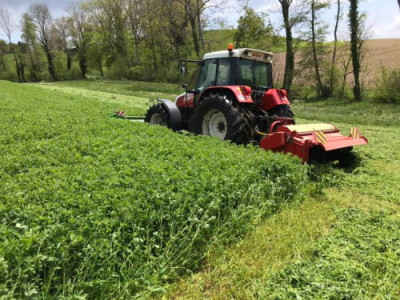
(256, 74)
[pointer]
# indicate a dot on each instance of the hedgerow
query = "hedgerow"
(94, 207)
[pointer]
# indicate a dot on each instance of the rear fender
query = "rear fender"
(175, 117)
(185, 100)
(242, 94)
(273, 98)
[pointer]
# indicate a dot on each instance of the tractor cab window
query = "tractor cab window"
(192, 78)
(253, 73)
(224, 71)
(207, 74)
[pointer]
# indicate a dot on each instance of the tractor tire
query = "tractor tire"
(217, 116)
(282, 111)
(157, 115)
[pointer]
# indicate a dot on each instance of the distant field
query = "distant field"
(378, 53)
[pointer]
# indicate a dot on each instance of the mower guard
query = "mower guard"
(320, 141)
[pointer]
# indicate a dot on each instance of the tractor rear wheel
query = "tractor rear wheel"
(217, 116)
(157, 115)
(282, 111)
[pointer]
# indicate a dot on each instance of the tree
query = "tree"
(201, 6)
(81, 35)
(193, 19)
(109, 18)
(175, 28)
(28, 29)
(3, 50)
(318, 32)
(21, 51)
(289, 23)
(96, 52)
(135, 23)
(354, 23)
(344, 60)
(194, 10)
(252, 31)
(41, 16)
(334, 52)
(61, 31)
(6, 26)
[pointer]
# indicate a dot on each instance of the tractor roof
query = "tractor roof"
(242, 52)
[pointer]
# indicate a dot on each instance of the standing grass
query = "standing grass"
(93, 207)
(350, 112)
(343, 243)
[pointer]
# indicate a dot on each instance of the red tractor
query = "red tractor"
(231, 96)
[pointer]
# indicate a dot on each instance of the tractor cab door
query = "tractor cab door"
(192, 76)
(206, 76)
(211, 72)
(201, 79)
(215, 72)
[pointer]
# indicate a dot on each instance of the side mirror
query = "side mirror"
(184, 85)
(182, 70)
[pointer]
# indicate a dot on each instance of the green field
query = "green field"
(96, 207)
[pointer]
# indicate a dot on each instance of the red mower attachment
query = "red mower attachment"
(311, 142)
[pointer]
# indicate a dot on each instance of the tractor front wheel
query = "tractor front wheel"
(157, 115)
(217, 116)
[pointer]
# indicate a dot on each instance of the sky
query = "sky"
(383, 15)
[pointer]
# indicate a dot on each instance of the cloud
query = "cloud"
(387, 30)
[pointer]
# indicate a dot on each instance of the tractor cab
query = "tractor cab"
(239, 67)
(244, 78)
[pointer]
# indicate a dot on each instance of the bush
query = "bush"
(388, 86)
(104, 208)
(303, 92)
(8, 75)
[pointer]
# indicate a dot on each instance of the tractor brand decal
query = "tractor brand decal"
(355, 133)
(320, 136)
(255, 54)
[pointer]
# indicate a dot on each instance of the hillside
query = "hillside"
(378, 53)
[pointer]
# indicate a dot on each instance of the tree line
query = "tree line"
(145, 40)
(128, 38)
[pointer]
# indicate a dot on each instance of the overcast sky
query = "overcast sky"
(383, 15)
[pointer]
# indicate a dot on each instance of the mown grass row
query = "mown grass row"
(96, 207)
(358, 260)
(342, 243)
